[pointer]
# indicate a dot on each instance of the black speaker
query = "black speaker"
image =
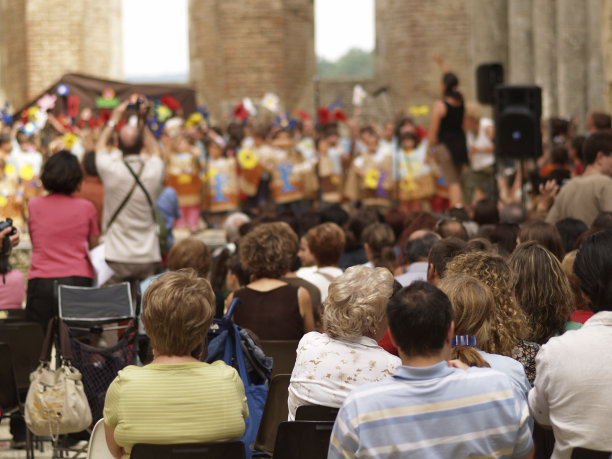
(488, 76)
(518, 110)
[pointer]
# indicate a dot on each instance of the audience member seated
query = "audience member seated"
(271, 308)
(12, 288)
(442, 253)
(545, 234)
(510, 328)
(603, 221)
(354, 252)
(570, 230)
(176, 398)
(416, 250)
(542, 290)
(580, 308)
(503, 237)
(473, 307)
(430, 408)
(379, 244)
(448, 227)
(572, 391)
(330, 364)
(326, 243)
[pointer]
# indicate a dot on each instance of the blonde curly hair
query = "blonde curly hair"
(356, 301)
(509, 324)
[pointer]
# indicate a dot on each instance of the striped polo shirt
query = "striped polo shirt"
(434, 412)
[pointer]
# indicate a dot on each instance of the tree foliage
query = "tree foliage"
(355, 63)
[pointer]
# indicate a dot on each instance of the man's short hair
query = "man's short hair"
(420, 316)
(442, 252)
(596, 142)
(418, 248)
(326, 243)
(177, 311)
(190, 253)
(593, 266)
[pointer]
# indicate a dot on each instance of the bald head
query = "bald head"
(130, 140)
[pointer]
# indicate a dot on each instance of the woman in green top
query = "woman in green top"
(176, 398)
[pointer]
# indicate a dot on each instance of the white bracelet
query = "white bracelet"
(111, 123)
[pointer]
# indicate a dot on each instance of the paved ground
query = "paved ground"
(7, 453)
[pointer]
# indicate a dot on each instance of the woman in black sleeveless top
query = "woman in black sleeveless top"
(447, 142)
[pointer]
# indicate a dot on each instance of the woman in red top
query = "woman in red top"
(62, 228)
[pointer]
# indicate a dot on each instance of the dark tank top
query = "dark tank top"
(271, 315)
(452, 135)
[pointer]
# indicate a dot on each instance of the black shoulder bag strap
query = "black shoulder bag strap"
(124, 202)
(144, 190)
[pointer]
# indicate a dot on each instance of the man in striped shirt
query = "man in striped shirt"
(431, 407)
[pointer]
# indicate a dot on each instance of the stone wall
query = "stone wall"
(44, 39)
(248, 48)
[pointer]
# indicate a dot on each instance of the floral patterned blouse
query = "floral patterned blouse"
(525, 352)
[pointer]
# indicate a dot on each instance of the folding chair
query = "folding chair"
(316, 413)
(97, 448)
(275, 411)
(9, 394)
(303, 440)
(25, 340)
(92, 310)
(87, 308)
(212, 450)
(283, 352)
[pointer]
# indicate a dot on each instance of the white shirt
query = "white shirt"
(573, 390)
(321, 277)
(416, 271)
(327, 369)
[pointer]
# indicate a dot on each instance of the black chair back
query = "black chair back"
(283, 353)
(303, 440)
(275, 411)
(213, 450)
(25, 340)
(316, 413)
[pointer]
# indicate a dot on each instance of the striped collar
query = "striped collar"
(463, 340)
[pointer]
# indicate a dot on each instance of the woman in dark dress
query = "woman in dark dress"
(446, 138)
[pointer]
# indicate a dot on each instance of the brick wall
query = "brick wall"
(44, 39)
(247, 48)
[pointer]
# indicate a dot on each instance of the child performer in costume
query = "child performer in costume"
(254, 174)
(293, 180)
(370, 177)
(183, 174)
(220, 180)
(416, 182)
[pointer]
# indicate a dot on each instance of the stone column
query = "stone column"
(520, 42)
(2, 56)
(571, 59)
(606, 45)
(595, 97)
(545, 54)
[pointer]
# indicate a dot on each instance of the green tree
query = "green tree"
(354, 63)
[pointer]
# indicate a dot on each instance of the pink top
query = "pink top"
(60, 226)
(12, 291)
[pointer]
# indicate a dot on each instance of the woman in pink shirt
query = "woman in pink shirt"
(62, 228)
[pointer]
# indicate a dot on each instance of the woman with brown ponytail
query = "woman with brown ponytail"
(473, 305)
